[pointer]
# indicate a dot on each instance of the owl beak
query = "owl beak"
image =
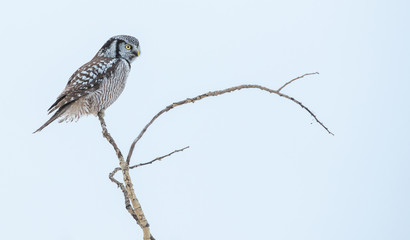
(138, 52)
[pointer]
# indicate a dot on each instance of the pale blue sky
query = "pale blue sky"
(258, 166)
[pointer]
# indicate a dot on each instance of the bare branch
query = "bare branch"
(129, 189)
(217, 93)
(124, 191)
(131, 202)
(159, 158)
(296, 78)
(107, 135)
(126, 198)
(146, 163)
(307, 109)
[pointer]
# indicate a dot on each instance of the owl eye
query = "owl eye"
(127, 46)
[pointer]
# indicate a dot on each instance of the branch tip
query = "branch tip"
(296, 78)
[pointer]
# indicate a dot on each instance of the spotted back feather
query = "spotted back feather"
(85, 80)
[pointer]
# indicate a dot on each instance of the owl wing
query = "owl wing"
(87, 79)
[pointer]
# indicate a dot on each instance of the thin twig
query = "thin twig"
(147, 163)
(159, 158)
(217, 93)
(296, 78)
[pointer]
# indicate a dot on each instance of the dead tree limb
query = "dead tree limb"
(131, 202)
(137, 210)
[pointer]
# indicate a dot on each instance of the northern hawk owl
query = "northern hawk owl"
(98, 83)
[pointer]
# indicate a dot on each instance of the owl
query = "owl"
(97, 84)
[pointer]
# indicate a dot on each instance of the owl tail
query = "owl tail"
(56, 115)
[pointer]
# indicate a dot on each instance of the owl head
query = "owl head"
(121, 46)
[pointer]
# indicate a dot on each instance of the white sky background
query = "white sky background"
(258, 167)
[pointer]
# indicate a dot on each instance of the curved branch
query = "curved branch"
(220, 92)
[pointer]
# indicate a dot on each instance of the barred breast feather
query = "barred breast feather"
(110, 89)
